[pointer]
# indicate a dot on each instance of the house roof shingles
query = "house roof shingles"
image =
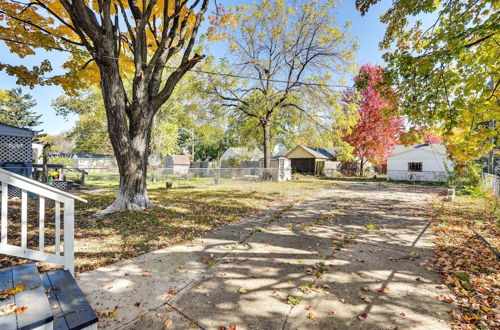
(323, 153)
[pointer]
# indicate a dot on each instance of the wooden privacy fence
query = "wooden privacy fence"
(64, 203)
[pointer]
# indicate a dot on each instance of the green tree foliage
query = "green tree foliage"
(15, 109)
(447, 72)
(58, 143)
(90, 133)
(293, 50)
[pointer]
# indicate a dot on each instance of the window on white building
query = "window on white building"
(415, 167)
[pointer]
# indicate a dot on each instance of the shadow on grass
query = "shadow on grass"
(182, 215)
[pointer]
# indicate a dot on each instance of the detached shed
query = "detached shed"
(179, 164)
(310, 160)
(16, 154)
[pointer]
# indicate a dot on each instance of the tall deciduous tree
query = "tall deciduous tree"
(15, 109)
(151, 40)
(448, 71)
(291, 48)
(376, 133)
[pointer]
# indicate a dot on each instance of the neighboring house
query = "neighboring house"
(93, 163)
(37, 153)
(423, 162)
(310, 160)
(177, 164)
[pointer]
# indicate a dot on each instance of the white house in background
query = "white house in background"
(423, 162)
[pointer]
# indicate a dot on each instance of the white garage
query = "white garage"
(423, 162)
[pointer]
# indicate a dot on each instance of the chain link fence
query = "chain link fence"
(493, 182)
(70, 178)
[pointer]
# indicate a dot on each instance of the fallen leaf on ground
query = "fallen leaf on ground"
(312, 316)
(172, 292)
(16, 289)
(7, 309)
(362, 316)
(380, 290)
(366, 299)
(242, 290)
(307, 308)
(402, 314)
(301, 261)
(331, 312)
(141, 313)
(361, 274)
(22, 309)
(106, 313)
(168, 323)
(146, 273)
(365, 288)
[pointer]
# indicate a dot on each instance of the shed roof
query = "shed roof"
(321, 153)
(6, 129)
(180, 159)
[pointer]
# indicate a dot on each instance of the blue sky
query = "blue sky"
(368, 29)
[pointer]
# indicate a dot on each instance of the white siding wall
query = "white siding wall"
(433, 168)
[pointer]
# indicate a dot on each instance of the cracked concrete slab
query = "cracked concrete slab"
(366, 240)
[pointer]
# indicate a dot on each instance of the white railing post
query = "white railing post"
(5, 201)
(29, 186)
(58, 228)
(41, 228)
(24, 219)
(69, 235)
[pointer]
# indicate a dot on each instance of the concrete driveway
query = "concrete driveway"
(356, 256)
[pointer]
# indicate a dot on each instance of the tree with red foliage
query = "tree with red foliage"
(376, 132)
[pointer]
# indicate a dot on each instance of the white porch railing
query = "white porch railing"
(43, 192)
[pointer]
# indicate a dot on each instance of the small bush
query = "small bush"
(468, 180)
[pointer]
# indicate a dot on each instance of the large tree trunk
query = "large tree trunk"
(133, 162)
(361, 165)
(266, 144)
(267, 149)
(129, 128)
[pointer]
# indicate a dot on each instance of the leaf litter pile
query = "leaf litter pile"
(184, 214)
(469, 268)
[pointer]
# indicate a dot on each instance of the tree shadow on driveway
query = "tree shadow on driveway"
(320, 265)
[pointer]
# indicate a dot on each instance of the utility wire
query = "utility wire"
(231, 75)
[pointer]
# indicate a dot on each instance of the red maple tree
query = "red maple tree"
(375, 133)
